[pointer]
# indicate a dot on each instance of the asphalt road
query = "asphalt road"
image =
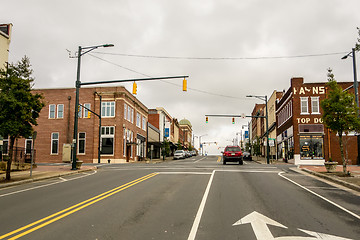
(197, 198)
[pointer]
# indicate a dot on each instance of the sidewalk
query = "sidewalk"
(41, 172)
(44, 171)
(352, 181)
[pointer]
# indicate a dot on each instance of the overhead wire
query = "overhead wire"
(143, 74)
(204, 58)
(222, 58)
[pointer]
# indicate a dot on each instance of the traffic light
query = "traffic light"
(184, 85)
(233, 120)
(89, 114)
(134, 88)
(207, 119)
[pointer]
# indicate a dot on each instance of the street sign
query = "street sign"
(243, 115)
(259, 224)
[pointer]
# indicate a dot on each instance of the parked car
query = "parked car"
(193, 152)
(247, 155)
(179, 154)
(188, 154)
(232, 154)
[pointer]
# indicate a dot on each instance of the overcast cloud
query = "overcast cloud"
(247, 29)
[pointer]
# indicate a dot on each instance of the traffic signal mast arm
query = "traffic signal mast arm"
(131, 80)
(90, 110)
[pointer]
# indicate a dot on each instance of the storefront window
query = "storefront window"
(311, 147)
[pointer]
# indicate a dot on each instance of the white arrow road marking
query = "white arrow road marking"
(259, 224)
(323, 236)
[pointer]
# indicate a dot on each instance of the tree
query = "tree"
(19, 108)
(190, 147)
(340, 113)
(179, 145)
(256, 146)
(165, 146)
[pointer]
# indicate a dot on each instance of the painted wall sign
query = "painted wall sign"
(309, 90)
(309, 120)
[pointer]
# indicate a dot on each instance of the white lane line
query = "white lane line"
(46, 185)
(318, 195)
(324, 188)
(194, 173)
(63, 179)
(196, 223)
(199, 159)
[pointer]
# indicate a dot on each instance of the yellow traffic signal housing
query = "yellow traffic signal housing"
(89, 114)
(207, 119)
(184, 85)
(134, 88)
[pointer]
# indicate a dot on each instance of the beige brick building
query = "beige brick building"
(5, 39)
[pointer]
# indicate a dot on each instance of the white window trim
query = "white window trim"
(103, 113)
(138, 119)
(109, 135)
(57, 111)
(144, 123)
(26, 140)
(318, 105)
(51, 148)
(125, 111)
(124, 142)
(307, 105)
(78, 145)
(54, 105)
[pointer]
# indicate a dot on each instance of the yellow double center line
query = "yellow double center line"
(63, 213)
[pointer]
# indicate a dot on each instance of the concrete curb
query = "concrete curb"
(332, 179)
(36, 179)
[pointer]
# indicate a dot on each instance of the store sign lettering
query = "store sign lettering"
(309, 90)
(308, 120)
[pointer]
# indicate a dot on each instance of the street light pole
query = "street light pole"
(77, 85)
(355, 85)
(200, 143)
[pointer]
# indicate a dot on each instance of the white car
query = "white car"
(179, 154)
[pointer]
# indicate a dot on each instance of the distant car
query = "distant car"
(193, 152)
(247, 155)
(179, 154)
(188, 154)
(233, 154)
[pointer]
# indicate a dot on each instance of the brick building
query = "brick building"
(257, 125)
(123, 126)
(185, 133)
(302, 137)
(162, 120)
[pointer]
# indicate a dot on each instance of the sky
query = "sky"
(228, 48)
